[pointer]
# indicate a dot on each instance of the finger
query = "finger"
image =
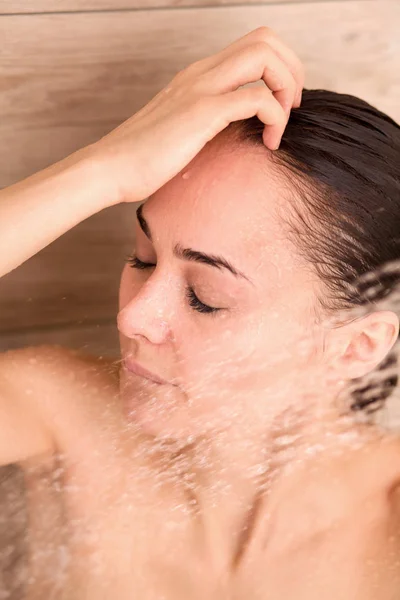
(261, 34)
(248, 102)
(293, 63)
(253, 63)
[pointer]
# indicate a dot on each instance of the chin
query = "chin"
(159, 411)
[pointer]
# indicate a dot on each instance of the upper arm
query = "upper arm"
(24, 431)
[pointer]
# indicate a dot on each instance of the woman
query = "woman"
(221, 457)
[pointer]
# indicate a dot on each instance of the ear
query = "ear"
(365, 343)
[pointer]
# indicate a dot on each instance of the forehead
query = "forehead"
(227, 202)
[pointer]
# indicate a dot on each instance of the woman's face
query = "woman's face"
(234, 334)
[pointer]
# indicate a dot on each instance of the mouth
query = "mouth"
(137, 369)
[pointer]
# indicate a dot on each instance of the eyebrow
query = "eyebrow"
(190, 254)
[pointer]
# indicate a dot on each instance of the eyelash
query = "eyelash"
(194, 302)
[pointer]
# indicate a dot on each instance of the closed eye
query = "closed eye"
(194, 301)
(136, 263)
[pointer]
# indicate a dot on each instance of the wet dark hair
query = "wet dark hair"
(343, 158)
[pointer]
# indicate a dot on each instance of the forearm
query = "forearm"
(37, 210)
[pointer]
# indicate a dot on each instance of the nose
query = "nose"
(148, 313)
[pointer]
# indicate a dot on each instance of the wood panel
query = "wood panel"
(67, 79)
(35, 6)
(75, 279)
(100, 339)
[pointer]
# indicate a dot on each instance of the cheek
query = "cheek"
(248, 353)
(227, 352)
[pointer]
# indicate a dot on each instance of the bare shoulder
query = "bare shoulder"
(47, 362)
(390, 462)
(377, 469)
(385, 535)
(65, 385)
(383, 465)
(387, 450)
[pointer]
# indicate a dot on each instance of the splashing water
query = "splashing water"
(26, 557)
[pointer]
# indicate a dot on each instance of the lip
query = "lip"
(134, 367)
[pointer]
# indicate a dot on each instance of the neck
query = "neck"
(220, 481)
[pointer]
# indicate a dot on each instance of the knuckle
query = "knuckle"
(188, 71)
(258, 95)
(265, 32)
(194, 67)
(260, 47)
(178, 77)
(262, 93)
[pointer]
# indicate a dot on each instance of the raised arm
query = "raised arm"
(37, 210)
(128, 165)
(151, 147)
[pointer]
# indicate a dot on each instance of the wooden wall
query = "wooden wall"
(29, 6)
(72, 70)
